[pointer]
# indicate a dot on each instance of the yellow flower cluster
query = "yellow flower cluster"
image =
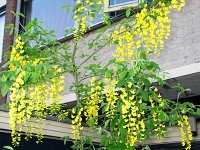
(84, 16)
(177, 4)
(55, 89)
(132, 115)
(18, 94)
(111, 97)
(126, 46)
(157, 105)
(32, 100)
(92, 103)
(17, 54)
(76, 123)
(149, 32)
(81, 27)
(185, 132)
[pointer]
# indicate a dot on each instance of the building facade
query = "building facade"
(180, 57)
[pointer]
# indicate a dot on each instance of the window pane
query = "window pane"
(114, 2)
(2, 23)
(53, 16)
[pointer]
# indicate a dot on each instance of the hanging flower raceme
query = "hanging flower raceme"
(77, 127)
(111, 97)
(186, 133)
(133, 115)
(84, 16)
(26, 101)
(149, 32)
(92, 102)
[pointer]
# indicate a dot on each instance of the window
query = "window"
(52, 15)
(118, 2)
(114, 5)
(2, 23)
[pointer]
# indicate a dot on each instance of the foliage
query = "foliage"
(7, 147)
(121, 101)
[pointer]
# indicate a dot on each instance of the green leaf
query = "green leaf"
(141, 4)
(103, 106)
(128, 12)
(66, 138)
(35, 77)
(149, 124)
(163, 116)
(146, 148)
(113, 123)
(121, 83)
(11, 28)
(13, 77)
(122, 74)
(146, 82)
(105, 141)
(8, 147)
(99, 131)
(116, 41)
(94, 57)
(45, 69)
(143, 56)
(132, 72)
(22, 15)
(4, 90)
(27, 75)
(6, 64)
(107, 74)
(152, 16)
(119, 146)
(38, 67)
(67, 7)
(3, 78)
(106, 123)
(144, 94)
(143, 65)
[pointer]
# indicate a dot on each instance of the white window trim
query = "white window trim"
(108, 8)
(2, 3)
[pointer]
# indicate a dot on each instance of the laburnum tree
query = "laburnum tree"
(120, 99)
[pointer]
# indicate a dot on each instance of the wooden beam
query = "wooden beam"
(51, 128)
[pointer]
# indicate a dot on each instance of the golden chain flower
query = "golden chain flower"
(24, 102)
(186, 133)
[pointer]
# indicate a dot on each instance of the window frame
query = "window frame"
(108, 8)
(2, 13)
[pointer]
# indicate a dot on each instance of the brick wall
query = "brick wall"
(8, 39)
(182, 48)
